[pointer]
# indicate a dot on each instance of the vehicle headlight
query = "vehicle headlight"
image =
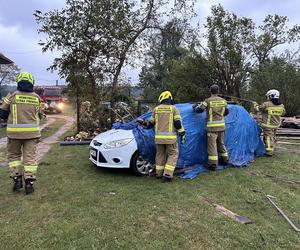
(96, 143)
(117, 144)
(60, 105)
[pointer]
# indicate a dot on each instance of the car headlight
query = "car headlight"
(117, 144)
(60, 105)
(96, 143)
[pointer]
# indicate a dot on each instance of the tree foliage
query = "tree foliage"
(238, 56)
(98, 38)
(8, 73)
(165, 48)
(281, 75)
(229, 49)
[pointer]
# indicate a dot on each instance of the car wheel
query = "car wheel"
(139, 166)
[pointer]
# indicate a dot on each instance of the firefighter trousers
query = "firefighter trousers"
(166, 159)
(269, 138)
(21, 154)
(215, 145)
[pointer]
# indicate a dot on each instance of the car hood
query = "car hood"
(114, 135)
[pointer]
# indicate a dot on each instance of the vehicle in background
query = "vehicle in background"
(52, 98)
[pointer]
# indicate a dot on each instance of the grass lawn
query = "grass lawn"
(47, 131)
(2, 132)
(52, 128)
(77, 206)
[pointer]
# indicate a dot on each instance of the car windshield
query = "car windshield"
(52, 92)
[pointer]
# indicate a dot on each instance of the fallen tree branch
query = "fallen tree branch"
(227, 212)
(283, 214)
(273, 177)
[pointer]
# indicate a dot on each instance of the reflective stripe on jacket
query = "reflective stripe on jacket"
(163, 117)
(271, 114)
(23, 120)
(215, 111)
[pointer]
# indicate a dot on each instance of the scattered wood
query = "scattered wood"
(288, 132)
(283, 214)
(282, 179)
(288, 143)
(288, 138)
(227, 212)
(74, 143)
(290, 122)
(273, 177)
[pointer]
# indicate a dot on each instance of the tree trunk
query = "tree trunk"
(78, 108)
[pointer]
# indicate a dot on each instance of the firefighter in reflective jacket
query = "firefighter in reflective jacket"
(167, 120)
(23, 111)
(216, 109)
(271, 110)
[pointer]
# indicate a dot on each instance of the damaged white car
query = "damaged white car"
(117, 148)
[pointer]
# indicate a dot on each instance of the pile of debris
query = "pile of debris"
(290, 122)
(289, 132)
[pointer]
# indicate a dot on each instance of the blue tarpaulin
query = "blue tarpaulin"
(242, 139)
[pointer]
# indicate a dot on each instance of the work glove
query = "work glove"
(141, 122)
(197, 106)
(182, 137)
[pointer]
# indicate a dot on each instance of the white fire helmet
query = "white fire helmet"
(273, 93)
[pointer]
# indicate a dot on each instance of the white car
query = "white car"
(117, 148)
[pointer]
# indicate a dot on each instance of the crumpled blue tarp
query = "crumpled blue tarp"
(242, 139)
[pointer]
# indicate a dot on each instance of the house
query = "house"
(4, 59)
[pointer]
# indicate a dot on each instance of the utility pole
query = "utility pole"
(56, 83)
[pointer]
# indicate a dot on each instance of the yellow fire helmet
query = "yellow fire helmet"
(25, 76)
(165, 95)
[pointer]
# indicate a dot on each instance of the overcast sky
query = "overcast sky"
(19, 38)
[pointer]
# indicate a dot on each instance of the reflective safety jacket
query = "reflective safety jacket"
(24, 109)
(271, 114)
(216, 109)
(163, 117)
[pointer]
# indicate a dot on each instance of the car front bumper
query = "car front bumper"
(112, 158)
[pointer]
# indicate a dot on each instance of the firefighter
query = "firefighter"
(271, 111)
(216, 109)
(23, 111)
(167, 120)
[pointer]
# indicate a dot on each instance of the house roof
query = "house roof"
(4, 59)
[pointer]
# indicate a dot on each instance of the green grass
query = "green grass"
(52, 128)
(2, 132)
(77, 206)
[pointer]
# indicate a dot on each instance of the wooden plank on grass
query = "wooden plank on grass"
(232, 215)
(227, 212)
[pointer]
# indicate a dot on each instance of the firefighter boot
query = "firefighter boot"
(166, 179)
(211, 167)
(224, 161)
(29, 186)
(18, 183)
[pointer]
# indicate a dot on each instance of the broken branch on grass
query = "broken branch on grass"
(227, 212)
(283, 214)
(273, 177)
